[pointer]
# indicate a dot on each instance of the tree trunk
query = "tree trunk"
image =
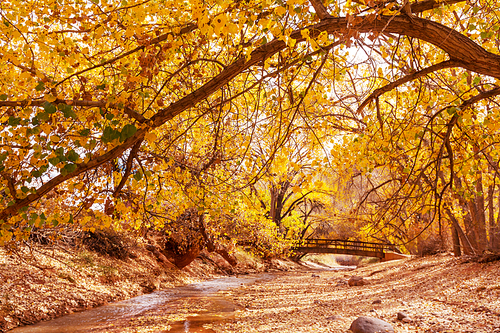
(186, 258)
(469, 208)
(457, 252)
(480, 221)
(492, 225)
(468, 248)
(495, 232)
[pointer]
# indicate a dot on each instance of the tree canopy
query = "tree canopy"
(134, 111)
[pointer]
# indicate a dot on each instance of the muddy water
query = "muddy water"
(102, 318)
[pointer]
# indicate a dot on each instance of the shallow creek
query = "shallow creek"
(110, 317)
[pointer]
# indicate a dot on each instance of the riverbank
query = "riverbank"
(39, 283)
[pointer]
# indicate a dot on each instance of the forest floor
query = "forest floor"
(438, 294)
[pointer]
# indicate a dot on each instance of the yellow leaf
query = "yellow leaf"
(151, 137)
(280, 10)
(129, 32)
(50, 98)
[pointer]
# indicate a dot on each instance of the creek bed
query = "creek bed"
(111, 317)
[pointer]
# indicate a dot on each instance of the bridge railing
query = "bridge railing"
(346, 244)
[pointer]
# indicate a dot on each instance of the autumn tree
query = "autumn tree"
(117, 108)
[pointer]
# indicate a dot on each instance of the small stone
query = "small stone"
(402, 315)
(334, 317)
(482, 308)
(314, 275)
(377, 301)
(406, 320)
(357, 281)
(341, 283)
(370, 325)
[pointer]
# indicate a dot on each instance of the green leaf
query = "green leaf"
(3, 97)
(49, 107)
(38, 173)
(44, 116)
(54, 160)
(138, 175)
(110, 134)
(40, 86)
(68, 168)
(60, 153)
(72, 156)
(13, 121)
(127, 131)
(67, 110)
(84, 132)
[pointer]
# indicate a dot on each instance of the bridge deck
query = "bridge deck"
(338, 246)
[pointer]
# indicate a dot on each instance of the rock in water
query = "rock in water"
(370, 325)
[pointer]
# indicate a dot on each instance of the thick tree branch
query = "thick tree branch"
(460, 48)
(380, 91)
(422, 6)
(128, 168)
(320, 9)
(82, 167)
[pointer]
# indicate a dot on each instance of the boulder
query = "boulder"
(370, 325)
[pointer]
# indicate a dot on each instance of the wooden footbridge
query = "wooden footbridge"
(337, 246)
